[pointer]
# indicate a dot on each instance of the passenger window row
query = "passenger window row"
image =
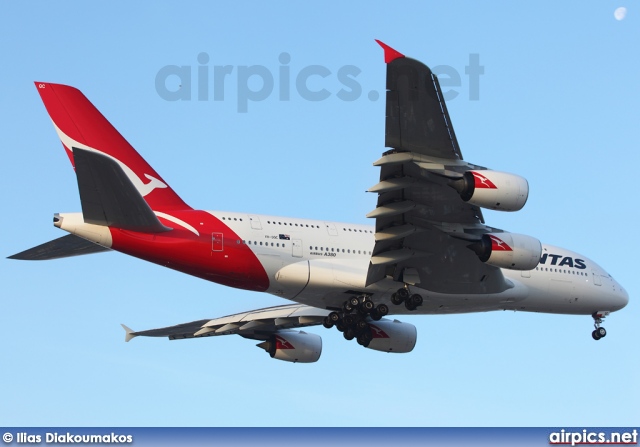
(265, 244)
(569, 272)
(339, 250)
(354, 230)
(293, 224)
(283, 245)
(358, 231)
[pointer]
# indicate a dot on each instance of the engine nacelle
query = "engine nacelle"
(292, 346)
(494, 190)
(509, 250)
(392, 336)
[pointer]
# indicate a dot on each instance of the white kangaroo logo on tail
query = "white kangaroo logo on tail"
(144, 188)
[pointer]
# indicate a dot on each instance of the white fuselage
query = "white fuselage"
(314, 262)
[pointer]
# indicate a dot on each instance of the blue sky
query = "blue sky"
(558, 104)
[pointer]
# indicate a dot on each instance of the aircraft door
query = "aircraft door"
(255, 223)
(596, 278)
(331, 229)
(296, 248)
(217, 242)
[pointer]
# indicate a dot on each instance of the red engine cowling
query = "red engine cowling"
(392, 336)
(509, 250)
(292, 346)
(494, 190)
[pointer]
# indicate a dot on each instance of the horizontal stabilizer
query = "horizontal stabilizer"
(63, 247)
(108, 196)
(130, 333)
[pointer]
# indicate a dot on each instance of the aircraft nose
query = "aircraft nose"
(620, 298)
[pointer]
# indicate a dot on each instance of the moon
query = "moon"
(620, 13)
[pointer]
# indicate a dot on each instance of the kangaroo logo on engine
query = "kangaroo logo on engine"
(498, 244)
(482, 182)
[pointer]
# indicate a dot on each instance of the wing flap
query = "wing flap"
(430, 236)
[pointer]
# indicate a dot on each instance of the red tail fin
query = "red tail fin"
(79, 124)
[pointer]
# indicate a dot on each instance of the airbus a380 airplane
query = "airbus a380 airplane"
(429, 252)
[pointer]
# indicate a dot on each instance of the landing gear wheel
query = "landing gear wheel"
(367, 306)
(362, 325)
(400, 296)
(363, 341)
(347, 307)
(365, 338)
(334, 317)
(599, 332)
(595, 335)
(368, 336)
(349, 319)
(327, 323)
(416, 300)
(340, 326)
(382, 310)
(354, 301)
(349, 334)
(395, 299)
(375, 315)
(409, 305)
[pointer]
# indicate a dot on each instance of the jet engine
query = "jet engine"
(392, 336)
(494, 190)
(292, 346)
(508, 250)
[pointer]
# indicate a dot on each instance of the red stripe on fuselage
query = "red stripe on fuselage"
(181, 249)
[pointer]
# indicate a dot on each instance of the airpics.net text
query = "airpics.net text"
(254, 83)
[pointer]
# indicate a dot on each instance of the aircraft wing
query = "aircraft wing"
(273, 327)
(423, 227)
(257, 324)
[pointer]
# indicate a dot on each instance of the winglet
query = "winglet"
(130, 333)
(389, 53)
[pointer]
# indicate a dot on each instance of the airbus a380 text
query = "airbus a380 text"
(429, 252)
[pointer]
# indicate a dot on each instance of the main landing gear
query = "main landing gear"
(599, 332)
(411, 301)
(352, 320)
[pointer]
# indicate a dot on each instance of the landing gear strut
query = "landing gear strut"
(598, 332)
(352, 320)
(411, 302)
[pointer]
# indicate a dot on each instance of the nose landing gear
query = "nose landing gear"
(599, 332)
